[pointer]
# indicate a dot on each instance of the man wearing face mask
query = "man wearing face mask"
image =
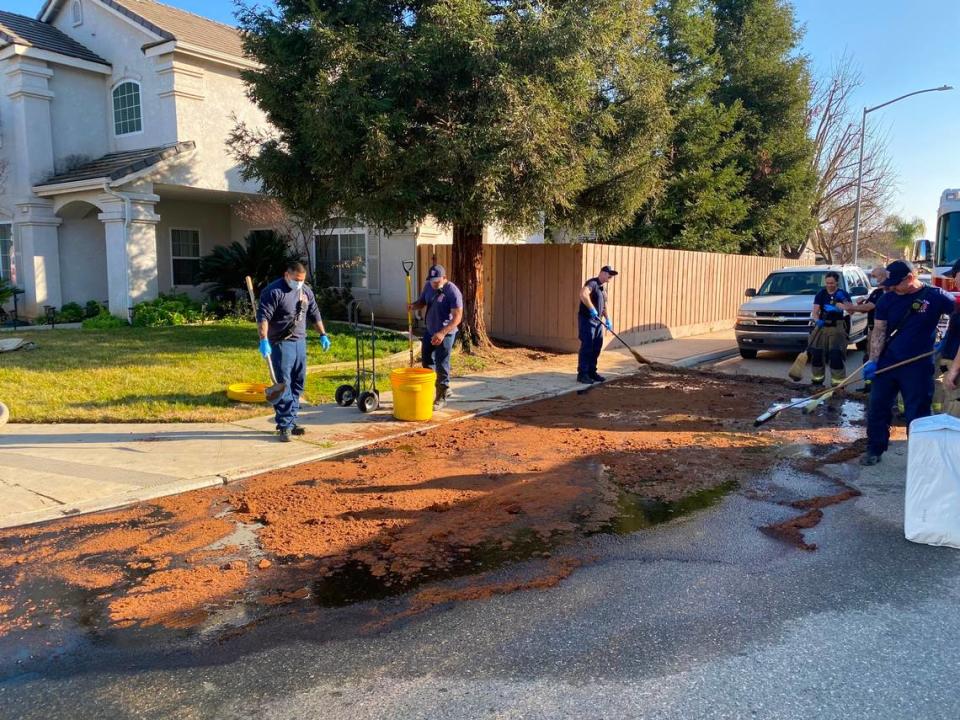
(285, 306)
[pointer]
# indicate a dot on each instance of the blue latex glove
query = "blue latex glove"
(265, 348)
(594, 314)
(819, 323)
(609, 323)
(831, 308)
(870, 370)
(324, 342)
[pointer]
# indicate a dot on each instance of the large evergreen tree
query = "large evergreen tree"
(764, 74)
(470, 111)
(703, 203)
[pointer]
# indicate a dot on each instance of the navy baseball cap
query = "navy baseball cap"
(898, 271)
(609, 270)
(436, 271)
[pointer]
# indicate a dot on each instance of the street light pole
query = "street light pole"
(863, 133)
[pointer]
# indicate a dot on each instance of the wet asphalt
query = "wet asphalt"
(704, 617)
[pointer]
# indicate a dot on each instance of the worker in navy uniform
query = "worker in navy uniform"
(443, 303)
(947, 400)
(592, 316)
(285, 306)
(830, 343)
(905, 327)
(868, 305)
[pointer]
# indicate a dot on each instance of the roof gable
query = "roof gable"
(168, 23)
(23, 30)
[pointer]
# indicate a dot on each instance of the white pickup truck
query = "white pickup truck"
(777, 316)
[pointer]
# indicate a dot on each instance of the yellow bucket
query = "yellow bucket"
(413, 392)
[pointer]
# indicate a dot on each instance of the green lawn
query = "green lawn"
(177, 374)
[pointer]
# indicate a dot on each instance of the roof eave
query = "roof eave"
(167, 46)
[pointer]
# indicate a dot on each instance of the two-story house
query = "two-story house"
(116, 178)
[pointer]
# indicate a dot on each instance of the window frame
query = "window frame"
(113, 107)
(76, 11)
(7, 270)
(173, 274)
(339, 231)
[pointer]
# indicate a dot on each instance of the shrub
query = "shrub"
(103, 321)
(6, 291)
(94, 309)
(70, 313)
(333, 302)
(167, 311)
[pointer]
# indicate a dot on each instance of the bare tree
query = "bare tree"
(267, 212)
(835, 128)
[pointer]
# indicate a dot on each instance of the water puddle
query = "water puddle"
(636, 512)
(355, 582)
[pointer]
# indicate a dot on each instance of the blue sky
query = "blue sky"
(898, 46)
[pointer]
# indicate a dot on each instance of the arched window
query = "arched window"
(77, 13)
(127, 113)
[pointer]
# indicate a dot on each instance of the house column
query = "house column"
(40, 250)
(130, 229)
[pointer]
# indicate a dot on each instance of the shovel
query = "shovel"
(275, 391)
(407, 267)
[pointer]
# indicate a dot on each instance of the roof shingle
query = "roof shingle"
(22, 30)
(175, 24)
(119, 164)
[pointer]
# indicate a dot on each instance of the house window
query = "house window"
(185, 253)
(6, 252)
(127, 115)
(341, 252)
(77, 13)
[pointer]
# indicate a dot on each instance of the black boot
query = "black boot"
(585, 379)
(440, 401)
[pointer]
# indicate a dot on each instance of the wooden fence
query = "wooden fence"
(531, 291)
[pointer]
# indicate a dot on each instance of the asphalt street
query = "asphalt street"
(704, 617)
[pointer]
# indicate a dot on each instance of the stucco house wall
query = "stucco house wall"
(120, 40)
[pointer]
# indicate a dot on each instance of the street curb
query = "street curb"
(227, 478)
(714, 356)
(115, 502)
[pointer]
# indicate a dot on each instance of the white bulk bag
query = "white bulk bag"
(932, 504)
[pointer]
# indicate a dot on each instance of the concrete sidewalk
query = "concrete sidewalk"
(52, 471)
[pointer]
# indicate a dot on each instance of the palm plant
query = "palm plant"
(263, 256)
(905, 232)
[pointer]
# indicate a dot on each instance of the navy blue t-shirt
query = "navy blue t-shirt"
(825, 298)
(285, 312)
(440, 306)
(918, 331)
(598, 296)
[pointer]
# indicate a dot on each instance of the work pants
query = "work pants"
(915, 383)
(830, 345)
(944, 400)
(289, 358)
(437, 358)
(591, 343)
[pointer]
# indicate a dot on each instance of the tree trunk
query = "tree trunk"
(468, 276)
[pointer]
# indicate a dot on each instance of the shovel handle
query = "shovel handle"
(407, 266)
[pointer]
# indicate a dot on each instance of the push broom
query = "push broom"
(796, 370)
(777, 408)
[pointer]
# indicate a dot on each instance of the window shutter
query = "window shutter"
(373, 260)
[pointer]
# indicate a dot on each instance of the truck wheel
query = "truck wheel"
(748, 354)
